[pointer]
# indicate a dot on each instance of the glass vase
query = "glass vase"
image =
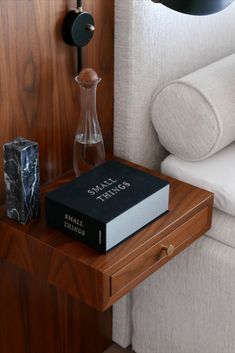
(89, 149)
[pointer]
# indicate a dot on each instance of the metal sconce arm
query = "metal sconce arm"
(78, 29)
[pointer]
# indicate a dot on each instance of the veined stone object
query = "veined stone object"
(22, 179)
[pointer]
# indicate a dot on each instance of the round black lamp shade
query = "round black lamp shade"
(196, 7)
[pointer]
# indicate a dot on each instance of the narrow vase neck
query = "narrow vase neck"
(88, 101)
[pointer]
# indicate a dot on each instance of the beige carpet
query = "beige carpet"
(117, 349)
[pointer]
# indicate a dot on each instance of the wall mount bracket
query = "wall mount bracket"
(78, 29)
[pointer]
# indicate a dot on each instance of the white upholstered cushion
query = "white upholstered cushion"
(195, 115)
(188, 306)
(155, 45)
(184, 287)
(223, 228)
(216, 174)
(122, 326)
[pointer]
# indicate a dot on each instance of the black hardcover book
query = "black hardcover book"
(107, 205)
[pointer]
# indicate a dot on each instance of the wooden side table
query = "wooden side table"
(56, 293)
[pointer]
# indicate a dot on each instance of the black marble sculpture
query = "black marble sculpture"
(22, 179)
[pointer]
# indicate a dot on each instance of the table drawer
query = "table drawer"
(161, 252)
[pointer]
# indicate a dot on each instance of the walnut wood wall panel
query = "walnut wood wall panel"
(37, 318)
(38, 95)
(100, 55)
(39, 100)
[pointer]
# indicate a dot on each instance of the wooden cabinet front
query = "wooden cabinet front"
(160, 253)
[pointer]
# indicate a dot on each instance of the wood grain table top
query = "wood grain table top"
(80, 270)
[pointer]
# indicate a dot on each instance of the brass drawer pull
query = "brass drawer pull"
(170, 249)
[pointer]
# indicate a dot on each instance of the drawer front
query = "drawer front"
(160, 253)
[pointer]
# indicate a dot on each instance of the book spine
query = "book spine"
(81, 227)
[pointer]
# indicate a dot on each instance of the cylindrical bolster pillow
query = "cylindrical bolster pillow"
(195, 116)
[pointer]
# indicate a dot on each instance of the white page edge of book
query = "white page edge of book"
(137, 217)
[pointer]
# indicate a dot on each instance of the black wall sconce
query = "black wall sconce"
(78, 29)
(79, 26)
(196, 7)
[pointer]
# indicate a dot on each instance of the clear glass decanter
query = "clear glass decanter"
(88, 143)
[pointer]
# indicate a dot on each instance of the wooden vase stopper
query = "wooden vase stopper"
(88, 77)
